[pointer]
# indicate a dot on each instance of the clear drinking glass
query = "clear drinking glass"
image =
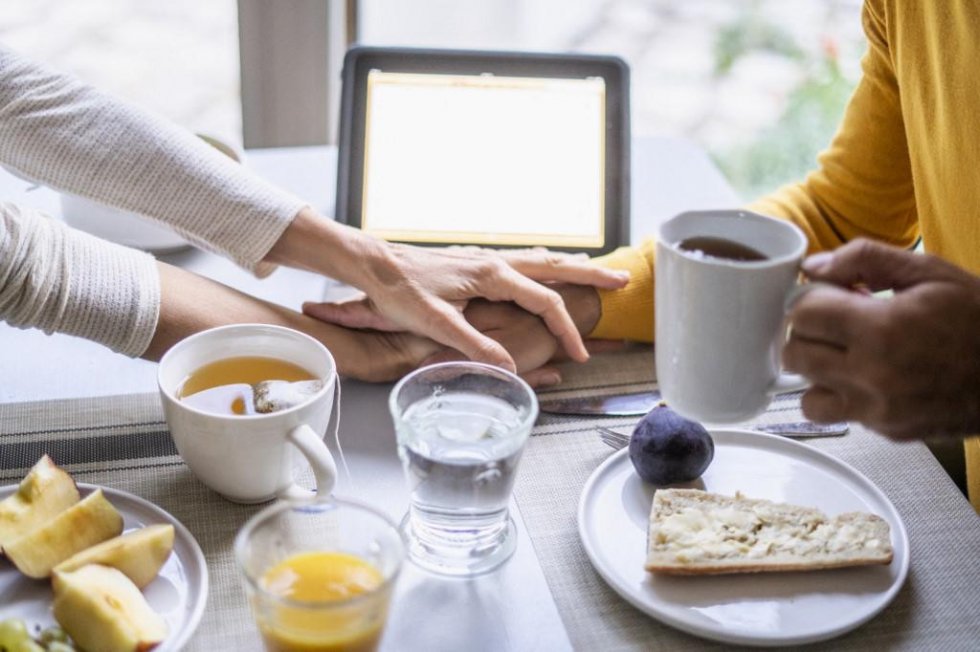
(319, 574)
(461, 429)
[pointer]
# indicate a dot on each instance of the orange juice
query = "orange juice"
(342, 614)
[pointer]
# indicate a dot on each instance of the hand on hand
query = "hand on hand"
(393, 354)
(907, 366)
(522, 334)
(426, 290)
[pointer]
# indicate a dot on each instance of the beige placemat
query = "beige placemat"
(122, 442)
(938, 608)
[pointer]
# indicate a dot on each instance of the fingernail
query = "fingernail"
(549, 380)
(815, 263)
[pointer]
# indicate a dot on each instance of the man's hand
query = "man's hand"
(907, 366)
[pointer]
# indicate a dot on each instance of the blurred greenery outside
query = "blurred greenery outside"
(787, 149)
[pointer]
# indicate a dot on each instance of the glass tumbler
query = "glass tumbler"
(319, 574)
(461, 428)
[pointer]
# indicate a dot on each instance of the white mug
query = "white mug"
(720, 323)
(247, 458)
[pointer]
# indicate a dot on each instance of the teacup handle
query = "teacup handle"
(318, 455)
(315, 450)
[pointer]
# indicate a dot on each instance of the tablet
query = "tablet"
(500, 149)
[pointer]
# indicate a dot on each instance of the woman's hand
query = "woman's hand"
(424, 291)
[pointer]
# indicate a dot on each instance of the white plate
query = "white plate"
(179, 592)
(751, 609)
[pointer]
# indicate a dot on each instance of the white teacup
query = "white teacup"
(248, 458)
(720, 323)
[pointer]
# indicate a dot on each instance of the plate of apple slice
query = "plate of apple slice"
(113, 570)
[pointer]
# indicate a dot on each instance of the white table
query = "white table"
(512, 609)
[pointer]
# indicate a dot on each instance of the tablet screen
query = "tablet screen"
(484, 159)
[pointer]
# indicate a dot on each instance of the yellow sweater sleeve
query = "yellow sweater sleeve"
(627, 314)
(863, 184)
(862, 187)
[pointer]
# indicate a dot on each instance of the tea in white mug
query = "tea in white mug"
(227, 386)
(724, 248)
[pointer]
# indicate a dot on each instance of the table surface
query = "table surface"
(530, 604)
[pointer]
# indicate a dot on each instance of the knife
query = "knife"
(639, 403)
(617, 405)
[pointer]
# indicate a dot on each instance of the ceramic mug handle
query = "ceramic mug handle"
(787, 382)
(315, 450)
(319, 457)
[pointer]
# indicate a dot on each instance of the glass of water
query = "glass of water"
(461, 429)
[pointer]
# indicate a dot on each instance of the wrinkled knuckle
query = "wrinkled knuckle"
(862, 247)
(488, 349)
(495, 267)
(553, 301)
(554, 260)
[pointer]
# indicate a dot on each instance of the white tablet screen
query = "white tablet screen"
(484, 159)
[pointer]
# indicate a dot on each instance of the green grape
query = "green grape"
(28, 645)
(60, 646)
(13, 633)
(53, 634)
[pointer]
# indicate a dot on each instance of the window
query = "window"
(179, 58)
(760, 84)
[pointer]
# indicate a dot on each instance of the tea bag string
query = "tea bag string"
(336, 431)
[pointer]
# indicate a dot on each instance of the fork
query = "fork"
(618, 440)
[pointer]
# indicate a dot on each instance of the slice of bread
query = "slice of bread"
(694, 532)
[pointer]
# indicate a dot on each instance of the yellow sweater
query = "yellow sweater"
(905, 161)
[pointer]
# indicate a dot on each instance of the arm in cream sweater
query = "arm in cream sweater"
(73, 137)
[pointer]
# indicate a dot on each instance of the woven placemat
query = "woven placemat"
(123, 442)
(937, 609)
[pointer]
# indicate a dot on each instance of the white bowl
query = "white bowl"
(119, 226)
(126, 227)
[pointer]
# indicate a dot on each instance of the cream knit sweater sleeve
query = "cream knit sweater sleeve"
(67, 135)
(58, 279)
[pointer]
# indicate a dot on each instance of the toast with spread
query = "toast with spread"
(694, 532)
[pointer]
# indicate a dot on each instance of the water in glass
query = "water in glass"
(460, 445)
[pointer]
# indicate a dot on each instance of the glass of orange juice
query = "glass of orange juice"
(319, 574)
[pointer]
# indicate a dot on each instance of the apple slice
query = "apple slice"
(101, 609)
(44, 492)
(86, 523)
(139, 554)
